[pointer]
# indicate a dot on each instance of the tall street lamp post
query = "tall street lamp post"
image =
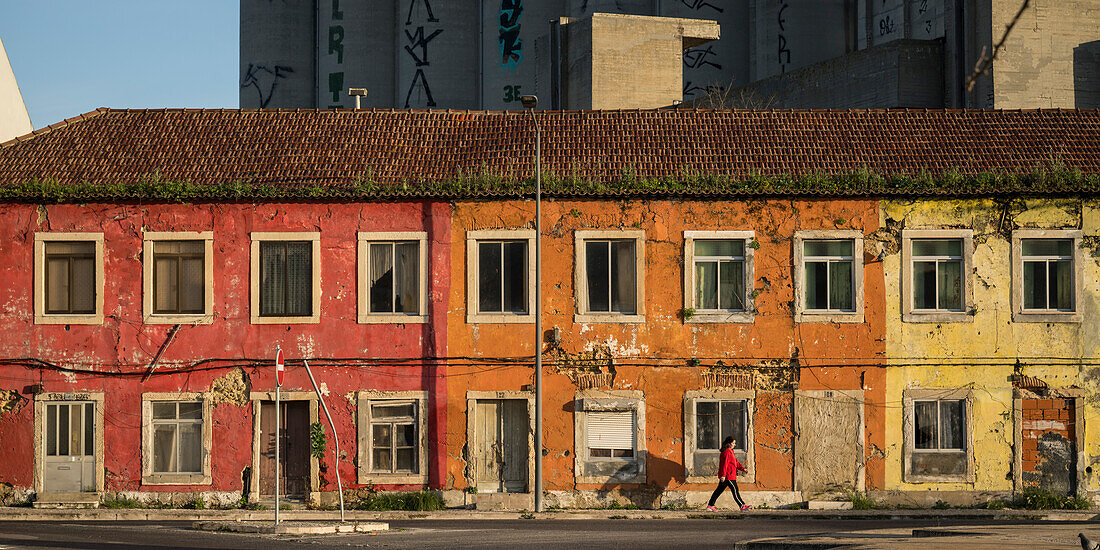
(530, 102)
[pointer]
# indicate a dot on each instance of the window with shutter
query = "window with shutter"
(611, 434)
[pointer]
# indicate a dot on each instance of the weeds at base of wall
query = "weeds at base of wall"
(414, 501)
(119, 503)
(1039, 499)
(860, 501)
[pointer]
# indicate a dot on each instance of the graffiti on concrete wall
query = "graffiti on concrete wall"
(701, 60)
(336, 48)
(265, 80)
(700, 4)
(784, 53)
(511, 45)
(427, 29)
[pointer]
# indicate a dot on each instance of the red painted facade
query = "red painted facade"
(120, 349)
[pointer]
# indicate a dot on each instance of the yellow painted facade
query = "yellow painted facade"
(983, 351)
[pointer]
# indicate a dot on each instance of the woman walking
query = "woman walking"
(728, 466)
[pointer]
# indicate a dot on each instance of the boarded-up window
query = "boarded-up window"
(70, 277)
(610, 434)
(828, 284)
(502, 276)
(179, 273)
(395, 277)
(939, 437)
(611, 276)
(286, 278)
(394, 439)
(177, 437)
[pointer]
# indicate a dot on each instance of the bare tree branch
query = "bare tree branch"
(986, 61)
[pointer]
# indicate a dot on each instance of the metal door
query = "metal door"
(70, 447)
(294, 476)
(502, 449)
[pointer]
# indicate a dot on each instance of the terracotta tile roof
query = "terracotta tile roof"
(333, 147)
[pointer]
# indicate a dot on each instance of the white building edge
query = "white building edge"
(14, 120)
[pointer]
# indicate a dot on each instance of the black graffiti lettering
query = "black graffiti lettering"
(418, 40)
(783, 50)
(336, 42)
(780, 19)
(335, 85)
(427, 8)
(511, 47)
(690, 88)
(700, 4)
(697, 57)
(255, 73)
(510, 11)
(420, 84)
(336, 13)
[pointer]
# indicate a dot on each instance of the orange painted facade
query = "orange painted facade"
(665, 356)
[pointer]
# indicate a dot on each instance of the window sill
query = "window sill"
(937, 317)
(294, 320)
(392, 319)
(741, 317)
(393, 479)
(596, 318)
(1046, 317)
(175, 479)
(828, 317)
(61, 319)
(173, 319)
(915, 478)
(499, 318)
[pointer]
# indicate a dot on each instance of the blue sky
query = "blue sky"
(72, 56)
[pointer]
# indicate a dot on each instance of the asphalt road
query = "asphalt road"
(430, 534)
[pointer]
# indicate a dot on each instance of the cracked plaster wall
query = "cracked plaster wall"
(991, 332)
(124, 339)
(827, 350)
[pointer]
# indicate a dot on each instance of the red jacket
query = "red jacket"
(728, 465)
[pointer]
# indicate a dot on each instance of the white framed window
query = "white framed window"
(68, 278)
(392, 438)
(176, 438)
(610, 276)
(609, 431)
(936, 285)
(937, 436)
(500, 267)
(718, 276)
(178, 277)
(709, 417)
(1046, 275)
(286, 277)
(828, 276)
(393, 277)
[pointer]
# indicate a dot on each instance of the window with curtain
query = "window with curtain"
(937, 270)
(502, 276)
(1048, 274)
(70, 277)
(286, 278)
(611, 276)
(179, 276)
(828, 278)
(395, 277)
(394, 439)
(717, 420)
(610, 434)
(939, 438)
(719, 275)
(177, 437)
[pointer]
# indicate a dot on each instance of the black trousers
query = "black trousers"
(732, 484)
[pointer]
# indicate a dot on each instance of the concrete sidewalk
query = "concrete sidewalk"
(151, 514)
(1002, 537)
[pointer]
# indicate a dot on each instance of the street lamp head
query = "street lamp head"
(529, 101)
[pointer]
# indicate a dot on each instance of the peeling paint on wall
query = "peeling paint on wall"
(234, 388)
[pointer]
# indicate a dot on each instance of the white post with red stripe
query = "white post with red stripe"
(279, 366)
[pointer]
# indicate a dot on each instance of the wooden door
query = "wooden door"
(70, 447)
(1049, 456)
(502, 445)
(294, 478)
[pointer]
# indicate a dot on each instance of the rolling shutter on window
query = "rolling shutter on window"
(611, 430)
